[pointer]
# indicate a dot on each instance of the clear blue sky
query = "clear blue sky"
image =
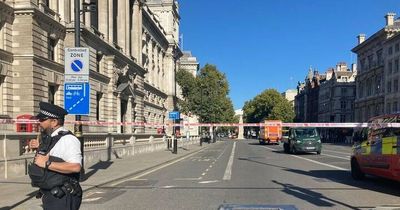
(261, 44)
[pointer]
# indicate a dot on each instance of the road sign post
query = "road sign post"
(175, 115)
(76, 86)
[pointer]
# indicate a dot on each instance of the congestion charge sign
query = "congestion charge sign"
(76, 65)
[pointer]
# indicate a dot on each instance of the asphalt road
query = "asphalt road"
(244, 172)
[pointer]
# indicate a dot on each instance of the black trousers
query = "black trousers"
(67, 202)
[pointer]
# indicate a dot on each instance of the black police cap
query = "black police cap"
(48, 110)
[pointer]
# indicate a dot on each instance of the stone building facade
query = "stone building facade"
(134, 52)
(337, 94)
(377, 82)
(290, 94)
(306, 100)
(189, 63)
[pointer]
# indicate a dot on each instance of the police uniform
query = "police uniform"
(59, 191)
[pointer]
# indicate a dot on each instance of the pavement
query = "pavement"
(17, 193)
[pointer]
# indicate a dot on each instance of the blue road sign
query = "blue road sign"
(76, 65)
(174, 115)
(77, 98)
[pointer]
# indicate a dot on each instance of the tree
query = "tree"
(206, 95)
(269, 105)
(188, 83)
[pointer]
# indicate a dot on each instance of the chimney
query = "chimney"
(390, 18)
(361, 38)
(341, 66)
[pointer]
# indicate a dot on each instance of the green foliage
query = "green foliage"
(269, 105)
(206, 95)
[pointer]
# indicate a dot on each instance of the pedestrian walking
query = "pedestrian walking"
(57, 163)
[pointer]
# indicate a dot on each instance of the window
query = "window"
(378, 84)
(342, 118)
(94, 23)
(361, 91)
(396, 65)
(395, 85)
(390, 50)
(51, 46)
(51, 94)
(98, 105)
(369, 87)
(370, 62)
(362, 64)
(388, 106)
(344, 91)
(1, 95)
(389, 87)
(394, 106)
(99, 56)
(390, 67)
(115, 25)
(343, 104)
(379, 56)
(2, 29)
(396, 47)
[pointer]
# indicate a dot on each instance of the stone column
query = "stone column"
(61, 10)
(136, 32)
(127, 46)
(129, 115)
(103, 17)
(87, 14)
(110, 22)
(119, 112)
(121, 24)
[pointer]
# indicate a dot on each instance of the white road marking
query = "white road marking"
(313, 161)
(320, 163)
(207, 169)
(92, 193)
(206, 182)
(187, 179)
(156, 169)
(91, 199)
(168, 186)
(203, 174)
(228, 170)
(344, 158)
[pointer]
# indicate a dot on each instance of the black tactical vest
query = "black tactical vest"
(47, 179)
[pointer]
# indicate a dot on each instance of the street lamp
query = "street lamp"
(87, 7)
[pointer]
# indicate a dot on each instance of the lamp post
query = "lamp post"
(87, 7)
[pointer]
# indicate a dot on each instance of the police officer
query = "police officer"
(58, 161)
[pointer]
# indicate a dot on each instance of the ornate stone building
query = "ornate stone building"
(290, 95)
(306, 100)
(336, 95)
(133, 58)
(377, 82)
(189, 63)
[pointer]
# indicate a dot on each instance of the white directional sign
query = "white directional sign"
(76, 65)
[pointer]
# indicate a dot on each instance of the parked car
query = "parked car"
(302, 140)
(376, 149)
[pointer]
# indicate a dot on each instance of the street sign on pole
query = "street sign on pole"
(77, 98)
(76, 65)
(174, 115)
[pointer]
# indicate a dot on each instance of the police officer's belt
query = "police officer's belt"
(44, 178)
